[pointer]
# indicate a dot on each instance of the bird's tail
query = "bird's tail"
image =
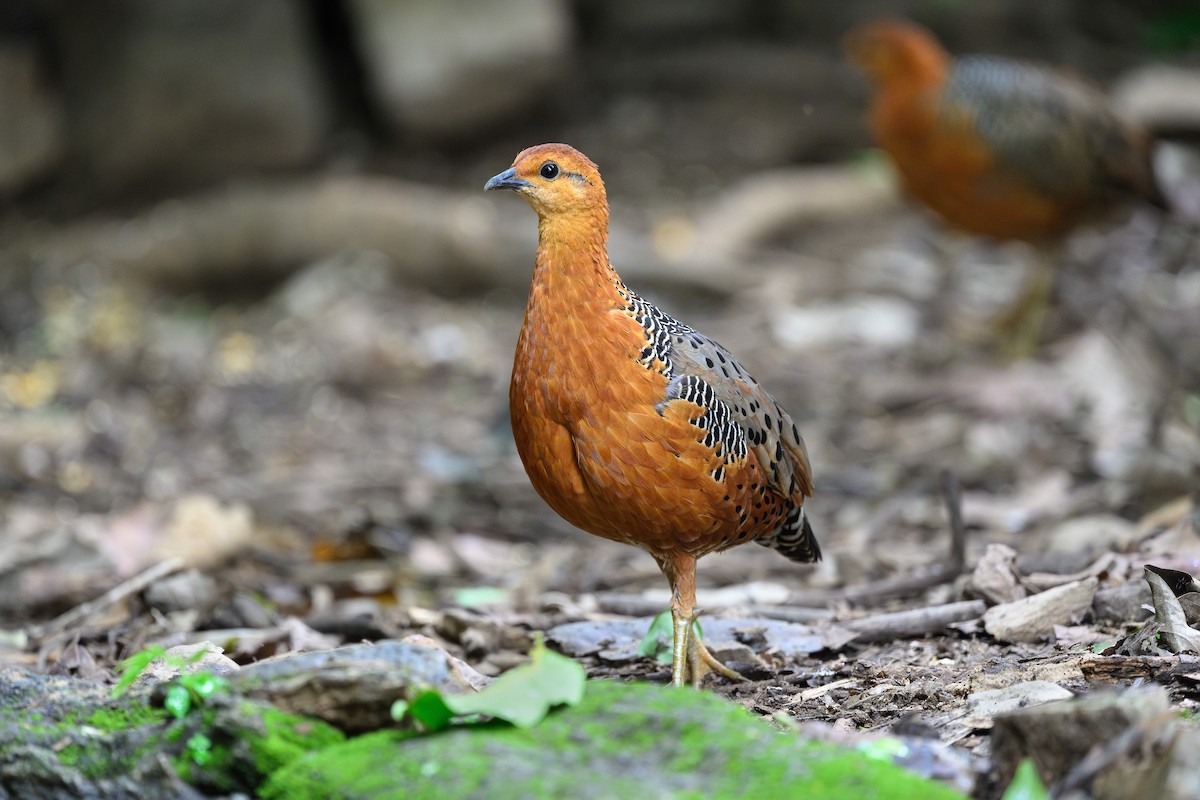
(794, 539)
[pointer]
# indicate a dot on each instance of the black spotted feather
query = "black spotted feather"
(739, 416)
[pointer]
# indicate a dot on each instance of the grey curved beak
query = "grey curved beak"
(506, 180)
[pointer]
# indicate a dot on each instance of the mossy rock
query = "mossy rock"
(622, 741)
(63, 737)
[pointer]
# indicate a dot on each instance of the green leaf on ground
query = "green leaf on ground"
(659, 641)
(522, 696)
(178, 701)
(1026, 784)
(132, 667)
(204, 684)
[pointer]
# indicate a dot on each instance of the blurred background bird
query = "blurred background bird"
(1000, 148)
(630, 424)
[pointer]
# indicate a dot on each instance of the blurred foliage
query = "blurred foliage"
(1172, 34)
(1026, 784)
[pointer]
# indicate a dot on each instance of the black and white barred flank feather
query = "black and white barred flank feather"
(739, 415)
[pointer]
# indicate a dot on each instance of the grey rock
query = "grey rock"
(445, 67)
(352, 687)
(1058, 736)
(65, 738)
(617, 640)
(1033, 618)
(1160, 97)
(1123, 603)
(188, 90)
(190, 589)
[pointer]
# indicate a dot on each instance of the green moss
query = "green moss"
(90, 740)
(98, 758)
(217, 769)
(621, 741)
(122, 718)
(287, 738)
(71, 755)
(238, 757)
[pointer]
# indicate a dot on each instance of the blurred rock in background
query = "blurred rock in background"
(450, 68)
(188, 90)
(136, 99)
(31, 125)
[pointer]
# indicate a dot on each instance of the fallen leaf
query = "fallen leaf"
(1026, 784)
(522, 696)
(1175, 633)
(995, 577)
(1180, 583)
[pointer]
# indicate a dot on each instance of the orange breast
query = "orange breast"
(585, 419)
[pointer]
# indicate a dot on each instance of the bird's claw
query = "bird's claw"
(697, 660)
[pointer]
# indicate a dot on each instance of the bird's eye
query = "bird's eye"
(549, 170)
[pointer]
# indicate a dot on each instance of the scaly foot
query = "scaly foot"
(701, 661)
(692, 658)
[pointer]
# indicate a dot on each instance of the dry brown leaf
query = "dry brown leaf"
(1175, 633)
(995, 577)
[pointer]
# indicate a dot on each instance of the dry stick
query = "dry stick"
(628, 605)
(800, 614)
(1126, 669)
(912, 623)
(113, 595)
(958, 531)
(911, 584)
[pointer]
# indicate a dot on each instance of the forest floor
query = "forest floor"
(326, 459)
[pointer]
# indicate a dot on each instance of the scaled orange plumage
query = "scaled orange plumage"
(631, 425)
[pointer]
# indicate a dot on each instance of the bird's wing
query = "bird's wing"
(1047, 129)
(739, 412)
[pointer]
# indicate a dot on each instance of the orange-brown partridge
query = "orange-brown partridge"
(633, 426)
(998, 147)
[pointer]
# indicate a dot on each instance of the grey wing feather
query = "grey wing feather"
(1056, 132)
(770, 432)
(739, 415)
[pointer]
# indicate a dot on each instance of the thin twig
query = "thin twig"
(790, 613)
(958, 531)
(899, 586)
(628, 605)
(939, 574)
(912, 623)
(111, 597)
